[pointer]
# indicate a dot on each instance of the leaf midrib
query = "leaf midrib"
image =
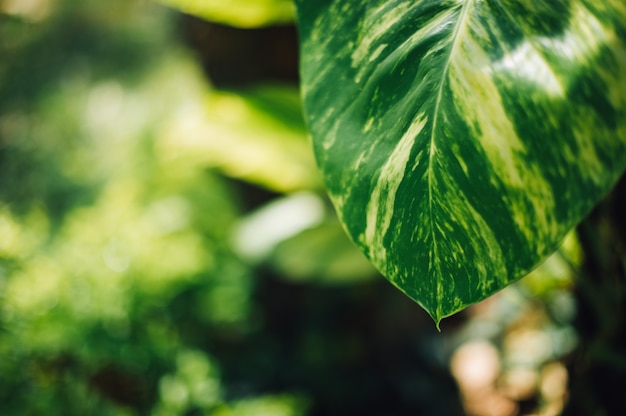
(460, 24)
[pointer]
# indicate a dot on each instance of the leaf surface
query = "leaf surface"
(460, 140)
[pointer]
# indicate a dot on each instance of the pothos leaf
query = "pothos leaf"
(460, 140)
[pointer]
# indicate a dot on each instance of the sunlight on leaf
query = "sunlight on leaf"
(257, 135)
(241, 13)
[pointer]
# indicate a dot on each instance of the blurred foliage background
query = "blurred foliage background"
(166, 247)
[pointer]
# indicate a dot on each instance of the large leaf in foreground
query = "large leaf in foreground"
(460, 140)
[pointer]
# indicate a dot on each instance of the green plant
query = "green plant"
(461, 140)
(134, 278)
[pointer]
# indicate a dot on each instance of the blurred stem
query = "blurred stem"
(598, 366)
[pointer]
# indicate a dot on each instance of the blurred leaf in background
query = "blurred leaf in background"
(238, 13)
(257, 135)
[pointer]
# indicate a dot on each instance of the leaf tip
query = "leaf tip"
(437, 319)
(437, 325)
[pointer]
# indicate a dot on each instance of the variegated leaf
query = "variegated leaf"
(460, 140)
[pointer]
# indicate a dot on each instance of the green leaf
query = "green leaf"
(461, 140)
(257, 135)
(323, 255)
(239, 13)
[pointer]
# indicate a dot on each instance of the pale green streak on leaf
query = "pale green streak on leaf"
(380, 206)
(477, 97)
(239, 13)
(461, 140)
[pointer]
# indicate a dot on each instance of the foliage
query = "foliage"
(166, 249)
(258, 136)
(469, 137)
(239, 13)
(114, 251)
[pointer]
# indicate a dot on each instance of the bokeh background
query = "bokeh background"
(166, 247)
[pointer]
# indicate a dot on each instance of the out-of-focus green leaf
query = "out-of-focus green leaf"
(240, 13)
(279, 405)
(257, 135)
(322, 254)
(461, 140)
